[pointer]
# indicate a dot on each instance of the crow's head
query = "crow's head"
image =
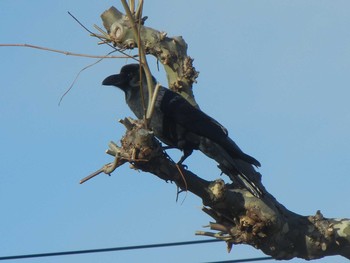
(128, 78)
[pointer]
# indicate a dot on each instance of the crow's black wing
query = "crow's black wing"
(178, 110)
(175, 107)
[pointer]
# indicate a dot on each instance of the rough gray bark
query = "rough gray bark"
(240, 218)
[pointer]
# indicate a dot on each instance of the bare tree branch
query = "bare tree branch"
(240, 217)
(142, 54)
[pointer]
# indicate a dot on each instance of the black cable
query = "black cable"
(87, 251)
(243, 260)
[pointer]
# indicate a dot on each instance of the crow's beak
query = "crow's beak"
(115, 80)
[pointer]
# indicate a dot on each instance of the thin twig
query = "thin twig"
(107, 169)
(104, 34)
(77, 76)
(62, 52)
(142, 54)
(153, 101)
(132, 6)
(138, 13)
(105, 41)
(185, 184)
(87, 178)
(88, 30)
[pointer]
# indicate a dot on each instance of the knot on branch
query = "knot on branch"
(117, 33)
(139, 143)
(145, 152)
(218, 190)
(253, 224)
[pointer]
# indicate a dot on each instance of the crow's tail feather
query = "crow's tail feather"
(249, 185)
(232, 148)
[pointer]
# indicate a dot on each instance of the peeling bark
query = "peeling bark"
(240, 218)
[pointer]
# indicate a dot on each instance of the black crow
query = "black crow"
(180, 125)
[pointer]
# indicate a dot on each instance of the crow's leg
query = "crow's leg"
(184, 156)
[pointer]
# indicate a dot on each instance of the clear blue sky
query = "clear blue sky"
(275, 73)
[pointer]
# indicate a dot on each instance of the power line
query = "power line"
(87, 251)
